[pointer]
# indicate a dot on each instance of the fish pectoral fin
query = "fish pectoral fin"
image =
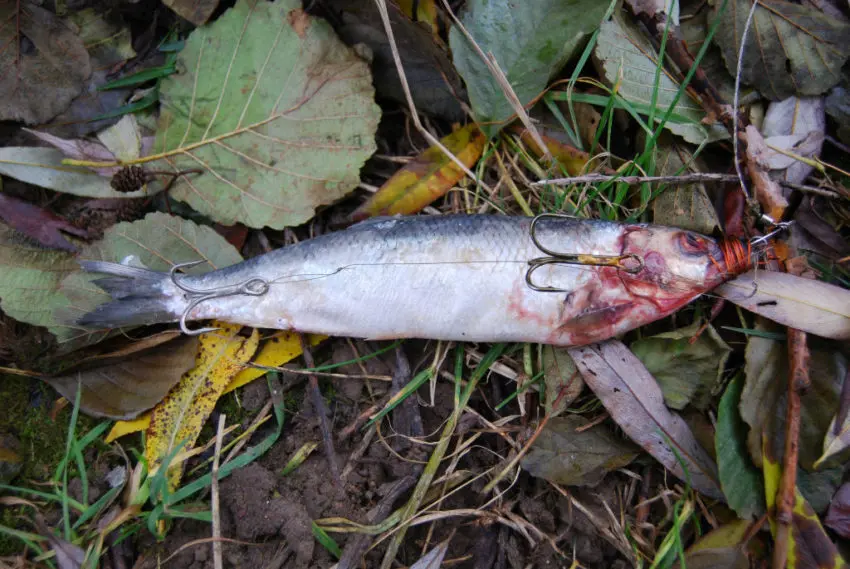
(598, 315)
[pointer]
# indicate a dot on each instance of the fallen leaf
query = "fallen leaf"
(799, 120)
(564, 455)
(686, 371)
(562, 380)
(682, 205)
(793, 49)
(281, 348)
(176, 422)
(44, 227)
(812, 306)
(196, 11)
(763, 399)
(37, 84)
(529, 46)
(694, 29)
(280, 118)
(435, 85)
(767, 191)
(428, 177)
(726, 557)
(627, 59)
(434, 558)
(159, 241)
(571, 159)
(808, 546)
(43, 167)
(30, 277)
(132, 383)
(838, 516)
(635, 402)
(838, 107)
(731, 534)
(740, 480)
(68, 555)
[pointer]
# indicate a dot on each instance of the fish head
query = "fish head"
(671, 265)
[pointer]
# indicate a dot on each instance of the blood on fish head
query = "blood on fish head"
(675, 265)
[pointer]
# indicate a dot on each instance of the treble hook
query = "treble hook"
(252, 287)
(556, 258)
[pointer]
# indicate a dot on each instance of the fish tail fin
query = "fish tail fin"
(139, 296)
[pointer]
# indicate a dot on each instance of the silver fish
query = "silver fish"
(452, 277)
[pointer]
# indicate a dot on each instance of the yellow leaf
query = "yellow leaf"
(426, 12)
(276, 351)
(178, 419)
(281, 348)
(572, 159)
(428, 177)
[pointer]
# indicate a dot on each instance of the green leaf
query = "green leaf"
(159, 241)
(687, 372)
(740, 480)
(629, 61)
(566, 456)
(274, 108)
(30, 277)
(792, 49)
(531, 41)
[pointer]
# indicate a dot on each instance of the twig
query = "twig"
(798, 383)
(321, 411)
(634, 180)
(216, 509)
(825, 192)
(385, 18)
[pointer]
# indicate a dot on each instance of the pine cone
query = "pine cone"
(129, 179)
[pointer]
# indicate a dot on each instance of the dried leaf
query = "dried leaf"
(30, 277)
(562, 379)
(740, 480)
(793, 49)
(530, 42)
(571, 159)
(812, 306)
(434, 558)
(281, 348)
(686, 371)
(809, 546)
(40, 225)
(763, 399)
(635, 402)
(197, 12)
(280, 118)
(134, 383)
(428, 177)
(803, 120)
(686, 206)
(159, 241)
(838, 516)
(37, 84)
(178, 419)
(43, 167)
(628, 60)
(564, 455)
(434, 82)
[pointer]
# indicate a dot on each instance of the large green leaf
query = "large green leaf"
(276, 111)
(792, 49)
(29, 277)
(628, 60)
(529, 40)
(159, 241)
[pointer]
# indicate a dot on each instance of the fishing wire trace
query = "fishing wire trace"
(556, 258)
(252, 287)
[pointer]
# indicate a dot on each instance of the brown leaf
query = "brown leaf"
(766, 190)
(38, 224)
(635, 402)
(196, 11)
(563, 381)
(42, 71)
(838, 516)
(129, 381)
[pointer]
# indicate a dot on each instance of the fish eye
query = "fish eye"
(692, 244)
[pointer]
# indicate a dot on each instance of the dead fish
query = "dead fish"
(481, 278)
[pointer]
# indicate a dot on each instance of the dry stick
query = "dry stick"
(321, 411)
(216, 509)
(385, 18)
(504, 84)
(634, 180)
(798, 383)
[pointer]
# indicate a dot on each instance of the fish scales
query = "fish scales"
(452, 277)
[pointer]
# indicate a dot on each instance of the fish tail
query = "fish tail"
(139, 296)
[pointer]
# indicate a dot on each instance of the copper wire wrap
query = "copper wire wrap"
(738, 259)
